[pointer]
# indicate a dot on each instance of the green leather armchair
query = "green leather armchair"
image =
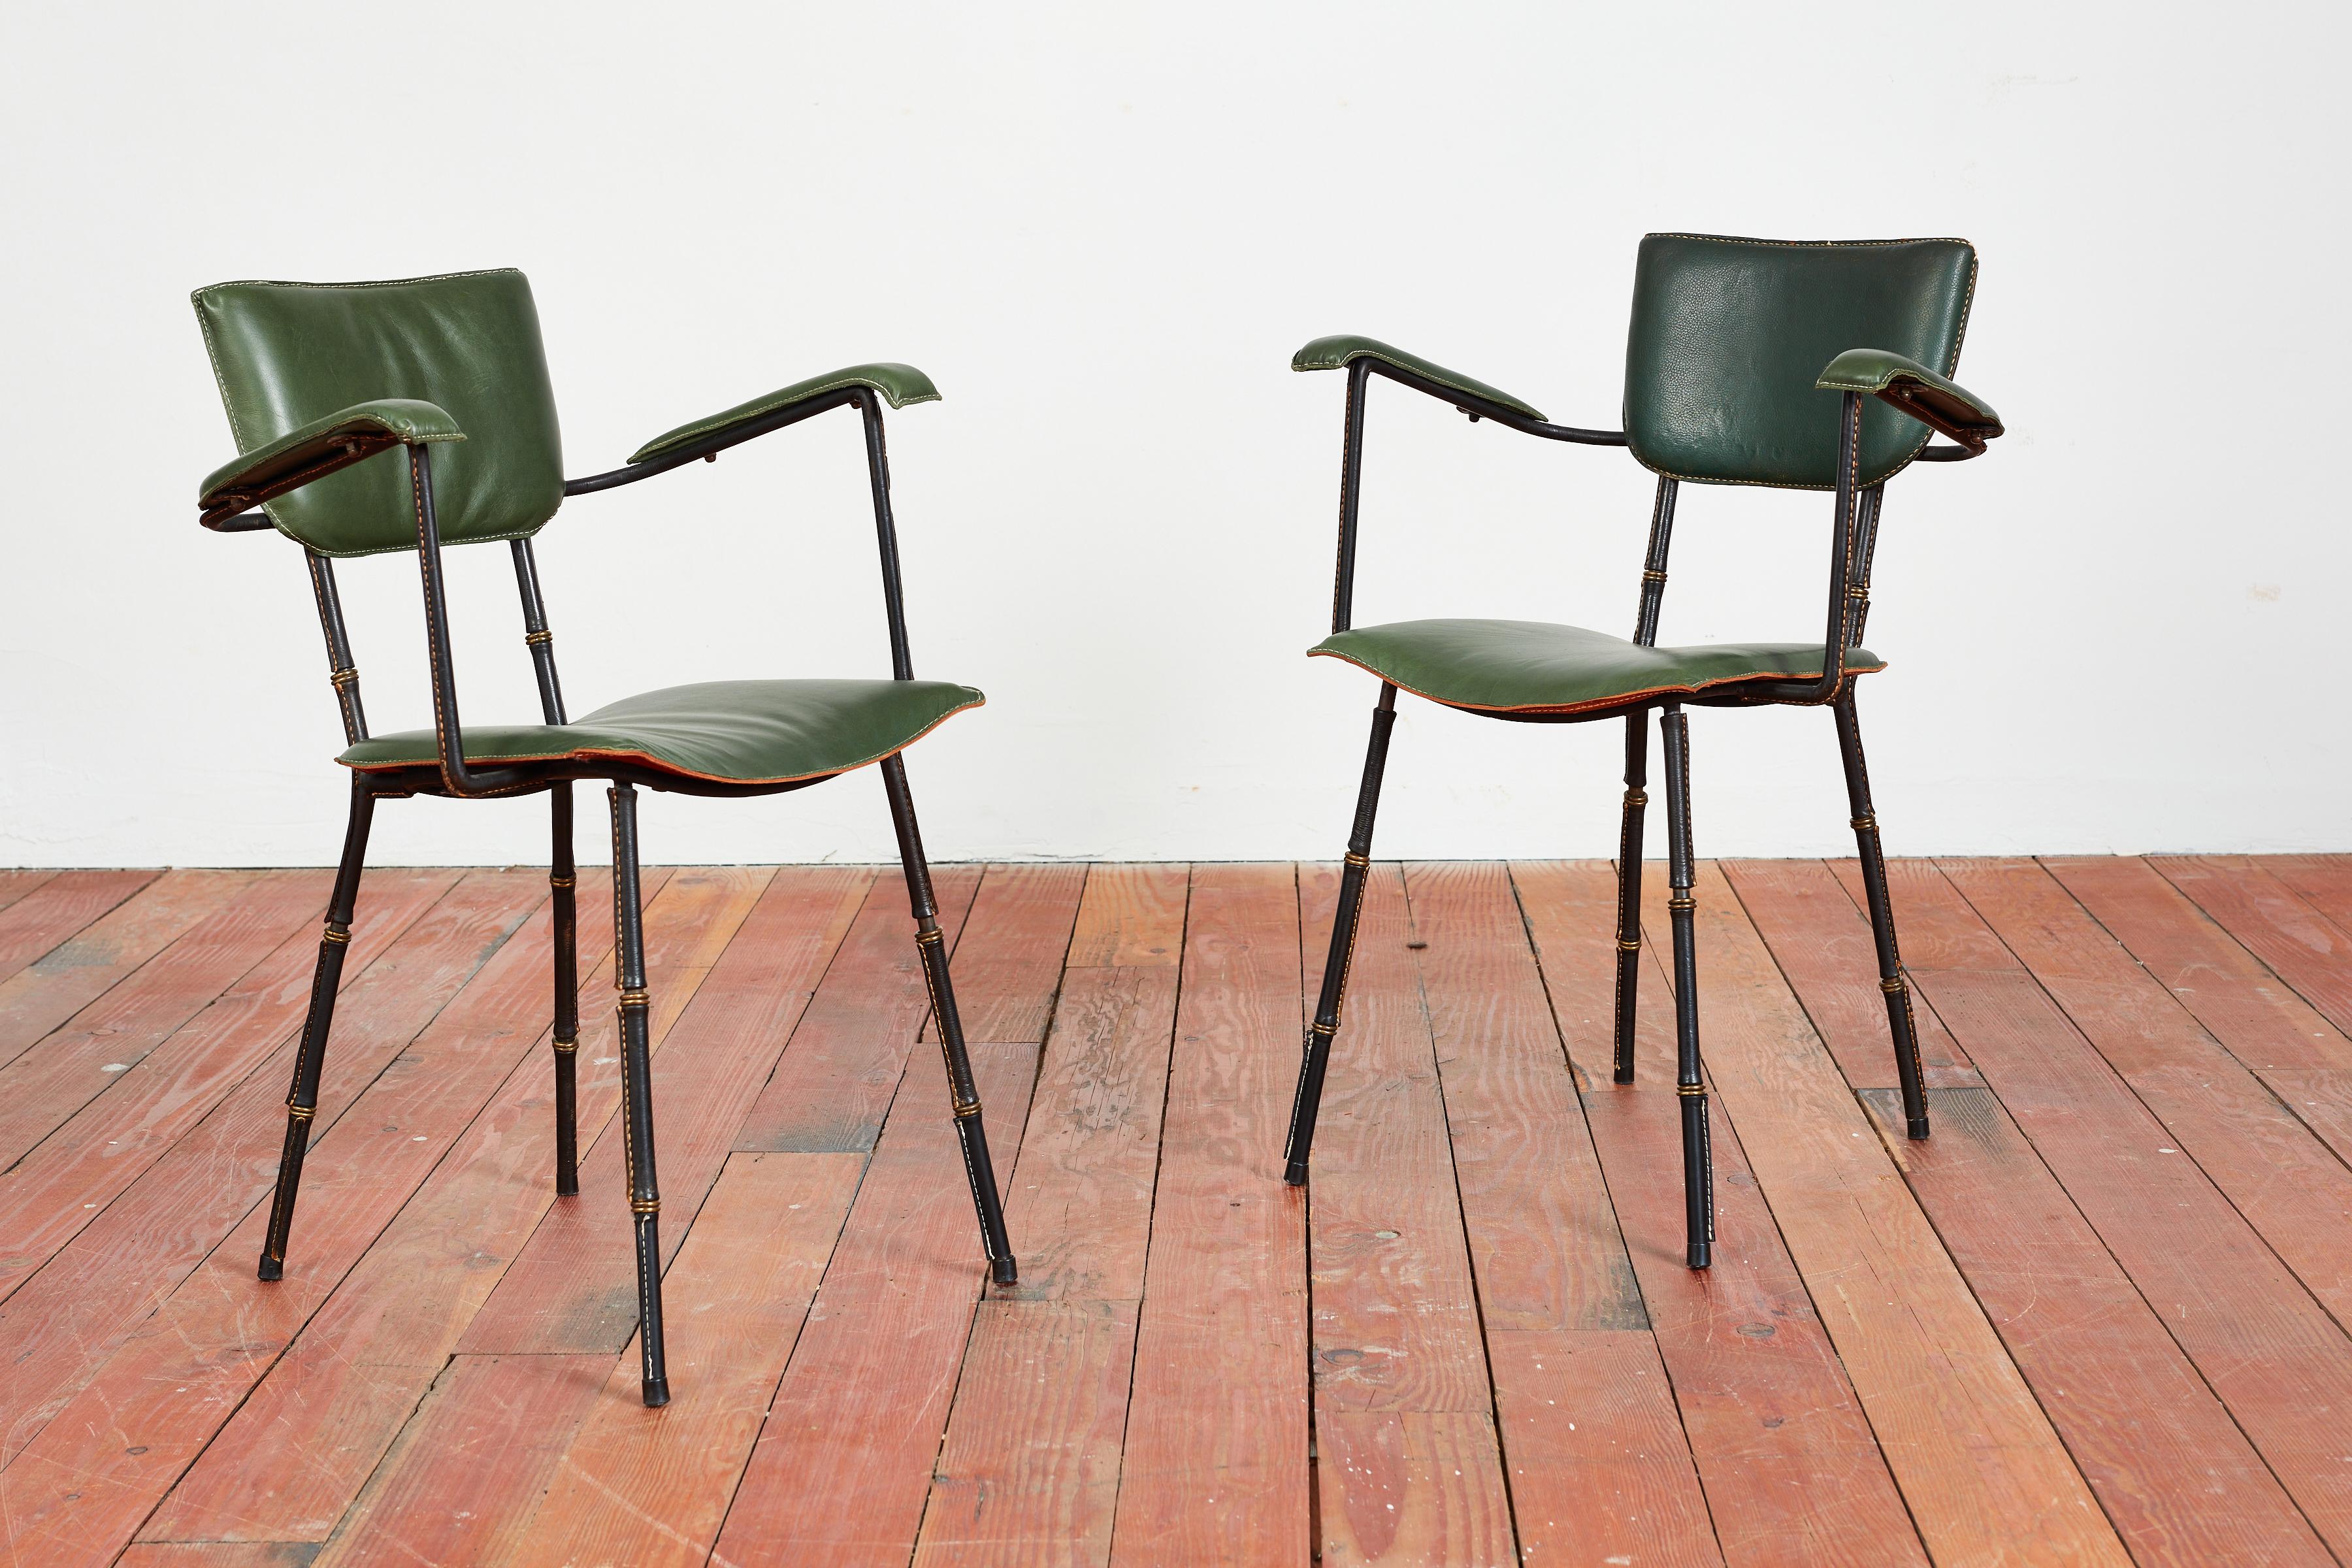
(318, 379)
(1792, 365)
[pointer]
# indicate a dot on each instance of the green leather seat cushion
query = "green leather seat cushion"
(739, 731)
(1535, 666)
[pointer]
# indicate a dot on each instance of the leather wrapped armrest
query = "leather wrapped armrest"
(1336, 353)
(318, 449)
(900, 384)
(1942, 405)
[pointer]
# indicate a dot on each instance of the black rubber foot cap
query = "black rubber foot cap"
(570, 1189)
(1919, 1128)
(270, 1269)
(1622, 1075)
(1702, 1255)
(1005, 1270)
(656, 1392)
(1294, 1173)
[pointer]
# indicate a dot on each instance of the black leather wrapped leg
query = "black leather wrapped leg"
(563, 881)
(637, 1089)
(1316, 1055)
(1892, 981)
(1629, 889)
(1690, 1082)
(309, 1060)
(930, 943)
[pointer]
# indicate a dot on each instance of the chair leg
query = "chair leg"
(1629, 888)
(637, 1089)
(931, 943)
(563, 879)
(1892, 981)
(1316, 1054)
(1690, 1083)
(302, 1099)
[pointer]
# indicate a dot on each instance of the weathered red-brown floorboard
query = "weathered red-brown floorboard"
(65, 1321)
(17, 882)
(455, 1488)
(2322, 882)
(1008, 963)
(1830, 959)
(2278, 1362)
(833, 1087)
(299, 1449)
(573, 1287)
(1985, 1476)
(80, 1168)
(1029, 1469)
(1791, 1468)
(50, 907)
(218, 1554)
(88, 1055)
(83, 1485)
(1408, 1467)
(2289, 1185)
(2302, 946)
(2303, 1057)
(2184, 1489)
(841, 1467)
(646, 1487)
(88, 963)
(1216, 1465)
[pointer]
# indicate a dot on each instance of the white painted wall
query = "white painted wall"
(1104, 230)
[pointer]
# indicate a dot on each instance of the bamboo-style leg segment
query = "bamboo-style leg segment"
(636, 1089)
(1690, 1082)
(1629, 889)
(1316, 1055)
(930, 943)
(1900, 1023)
(303, 1099)
(563, 881)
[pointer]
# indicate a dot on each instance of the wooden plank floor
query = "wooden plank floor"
(2100, 1317)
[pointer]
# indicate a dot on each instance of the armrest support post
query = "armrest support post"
(1835, 640)
(447, 732)
(886, 528)
(1351, 476)
(1653, 564)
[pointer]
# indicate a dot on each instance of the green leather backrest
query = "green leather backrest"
(1730, 334)
(287, 353)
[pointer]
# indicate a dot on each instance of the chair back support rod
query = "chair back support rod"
(340, 670)
(1653, 564)
(535, 632)
(447, 732)
(1352, 475)
(878, 471)
(1865, 546)
(1478, 408)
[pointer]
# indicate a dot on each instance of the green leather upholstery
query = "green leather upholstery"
(1730, 335)
(319, 449)
(1335, 353)
(900, 384)
(289, 354)
(1533, 666)
(737, 731)
(1918, 391)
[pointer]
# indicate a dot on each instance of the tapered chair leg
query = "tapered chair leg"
(636, 1089)
(1690, 1082)
(1892, 981)
(302, 1099)
(1316, 1056)
(931, 943)
(1629, 889)
(563, 879)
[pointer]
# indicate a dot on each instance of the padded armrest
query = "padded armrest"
(318, 449)
(1335, 353)
(901, 383)
(1941, 405)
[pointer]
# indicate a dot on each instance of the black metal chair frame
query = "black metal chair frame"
(1854, 539)
(452, 776)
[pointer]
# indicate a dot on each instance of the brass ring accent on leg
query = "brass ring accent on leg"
(336, 935)
(1362, 862)
(554, 881)
(301, 1113)
(966, 1109)
(1636, 797)
(934, 935)
(1652, 574)
(535, 640)
(645, 1206)
(1682, 904)
(1625, 946)
(636, 997)
(1691, 1090)
(343, 679)
(1866, 823)
(1895, 987)
(565, 1047)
